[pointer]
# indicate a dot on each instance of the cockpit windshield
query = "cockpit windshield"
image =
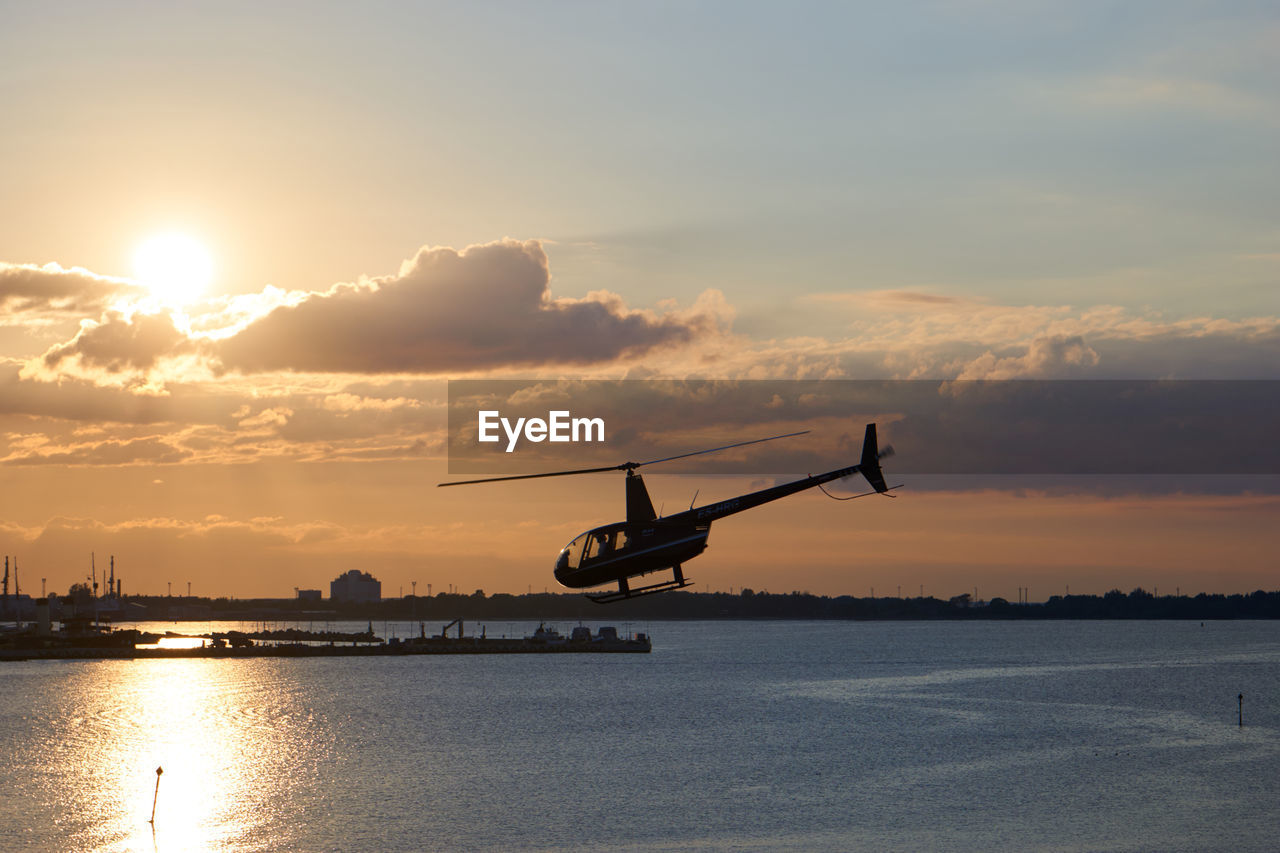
(573, 551)
(594, 545)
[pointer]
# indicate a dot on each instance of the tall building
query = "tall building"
(355, 586)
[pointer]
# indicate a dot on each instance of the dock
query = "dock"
(133, 645)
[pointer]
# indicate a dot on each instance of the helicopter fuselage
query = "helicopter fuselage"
(614, 552)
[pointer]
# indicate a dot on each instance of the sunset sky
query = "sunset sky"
(243, 247)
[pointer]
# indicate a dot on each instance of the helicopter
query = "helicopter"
(646, 542)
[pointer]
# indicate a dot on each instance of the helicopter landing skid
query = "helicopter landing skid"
(624, 592)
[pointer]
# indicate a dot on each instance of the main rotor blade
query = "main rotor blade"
(622, 467)
(625, 466)
(714, 449)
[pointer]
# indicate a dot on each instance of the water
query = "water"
(729, 736)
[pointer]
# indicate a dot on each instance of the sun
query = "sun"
(174, 267)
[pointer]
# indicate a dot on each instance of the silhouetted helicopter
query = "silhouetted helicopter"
(645, 542)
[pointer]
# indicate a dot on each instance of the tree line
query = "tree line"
(747, 604)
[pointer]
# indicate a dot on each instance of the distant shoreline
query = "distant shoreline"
(1137, 604)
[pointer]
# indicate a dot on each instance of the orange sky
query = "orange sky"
(289, 525)
(595, 195)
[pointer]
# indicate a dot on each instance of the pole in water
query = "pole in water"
(1240, 699)
(159, 770)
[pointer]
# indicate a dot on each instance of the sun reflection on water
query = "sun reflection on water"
(227, 736)
(175, 643)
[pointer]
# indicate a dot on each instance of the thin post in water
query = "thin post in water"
(1240, 699)
(159, 771)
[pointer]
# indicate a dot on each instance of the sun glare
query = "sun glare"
(174, 267)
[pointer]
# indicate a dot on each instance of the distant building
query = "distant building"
(355, 586)
(310, 594)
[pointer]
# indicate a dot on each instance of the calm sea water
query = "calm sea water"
(729, 736)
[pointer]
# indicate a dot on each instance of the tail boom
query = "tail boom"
(869, 467)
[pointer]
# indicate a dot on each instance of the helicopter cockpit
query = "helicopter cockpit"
(591, 547)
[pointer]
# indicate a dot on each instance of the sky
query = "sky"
(379, 199)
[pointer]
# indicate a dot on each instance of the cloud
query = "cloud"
(346, 403)
(78, 400)
(76, 422)
(1082, 427)
(122, 343)
(27, 290)
(484, 307)
(904, 334)
(142, 451)
(890, 300)
(273, 417)
(1057, 356)
(488, 311)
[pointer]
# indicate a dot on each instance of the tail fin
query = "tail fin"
(871, 456)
